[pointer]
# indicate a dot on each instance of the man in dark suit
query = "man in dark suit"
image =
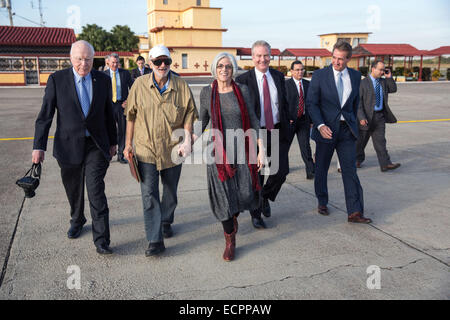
(268, 90)
(332, 103)
(85, 139)
(121, 83)
(296, 93)
(141, 69)
(374, 113)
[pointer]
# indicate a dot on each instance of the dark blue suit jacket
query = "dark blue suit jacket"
(323, 104)
(71, 124)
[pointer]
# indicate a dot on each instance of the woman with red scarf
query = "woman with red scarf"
(233, 184)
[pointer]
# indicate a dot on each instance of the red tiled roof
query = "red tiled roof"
(439, 51)
(120, 53)
(248, 52)
(36, 36)
(388, 50)
(306, 53)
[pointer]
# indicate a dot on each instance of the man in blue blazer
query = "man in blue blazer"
(332, 103)
(85, 139)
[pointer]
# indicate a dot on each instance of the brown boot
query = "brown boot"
(230, 245)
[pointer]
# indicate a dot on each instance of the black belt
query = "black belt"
(275, 126)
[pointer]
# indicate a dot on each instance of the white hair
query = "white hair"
(82, 42)
(219, 57)
(262, 43)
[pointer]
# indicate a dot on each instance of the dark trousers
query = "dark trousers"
(158, 212)
(345, 146)
(92, 172)
(121, 122)
(278, 175)
(376, 130)
(303, 133)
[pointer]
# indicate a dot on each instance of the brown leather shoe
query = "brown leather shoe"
(323, 210)
(391, 166)
(357, 217)
(230, 246)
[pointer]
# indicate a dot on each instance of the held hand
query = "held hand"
(363, 122)
(124, 104)
(37, 156)
(326, 132)
(112, 151)
(388, 74)
(127, 152)
(260, 160)
(184, 149)
(194, 138)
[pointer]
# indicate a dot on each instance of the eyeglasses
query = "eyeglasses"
(80, 60)
(159, 62)
(226, 66)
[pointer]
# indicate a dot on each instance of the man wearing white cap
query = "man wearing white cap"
(158, 104)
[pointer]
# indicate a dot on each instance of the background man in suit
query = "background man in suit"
(374, 113)
(269, 93)
(141, 69)
(296, 93)
(121, 83)
(85, 138)
(332, 103)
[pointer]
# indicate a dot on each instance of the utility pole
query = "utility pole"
(41, 14)
(8, 6)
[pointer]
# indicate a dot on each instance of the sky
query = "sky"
(425, 24)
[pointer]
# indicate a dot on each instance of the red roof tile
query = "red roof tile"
(388, 50)
(306, 52)
(36, 36)
(440, 51)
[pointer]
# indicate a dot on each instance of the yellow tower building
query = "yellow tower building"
(190, 29)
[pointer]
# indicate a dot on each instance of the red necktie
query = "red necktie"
(267, 105)
(301, 105)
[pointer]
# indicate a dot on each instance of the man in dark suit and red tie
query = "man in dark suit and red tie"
(333, 101)
(121, 83)
(374, 113)
(300, 122)
(141, 69)
(268, 90)
(85, 139)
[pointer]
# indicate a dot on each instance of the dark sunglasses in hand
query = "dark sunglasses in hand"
(158, 62)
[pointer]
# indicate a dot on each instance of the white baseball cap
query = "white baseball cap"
(158, 51)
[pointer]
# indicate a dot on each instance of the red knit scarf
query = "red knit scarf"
(223, 167)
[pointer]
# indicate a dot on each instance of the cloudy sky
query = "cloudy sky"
(424, 24)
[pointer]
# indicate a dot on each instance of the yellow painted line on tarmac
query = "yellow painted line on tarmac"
(18, 139)
(414, 121)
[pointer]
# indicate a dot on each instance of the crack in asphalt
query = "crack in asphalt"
(284, 279)
(377, 228)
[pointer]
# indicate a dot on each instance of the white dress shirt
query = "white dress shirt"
(273, 96)
(297, 82)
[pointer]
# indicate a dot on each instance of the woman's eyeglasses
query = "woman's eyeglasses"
(227, 66)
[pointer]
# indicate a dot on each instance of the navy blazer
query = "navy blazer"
(293, 98)
(135, 73)
(71, 124)
(125, 82)
(323, 104)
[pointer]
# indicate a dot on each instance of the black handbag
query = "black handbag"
(30, 181)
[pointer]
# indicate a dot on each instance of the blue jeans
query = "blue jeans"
(158, 212)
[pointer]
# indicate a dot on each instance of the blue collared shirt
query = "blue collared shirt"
(78, 85)
(374, 82)
(165, 86)
(118, 87)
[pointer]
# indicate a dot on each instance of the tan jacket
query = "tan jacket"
(157, 116)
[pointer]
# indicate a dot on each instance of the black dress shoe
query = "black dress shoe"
(167, 230)
(155, 249)
(310, 176)
(259, 223)
(74, 232)
(104, 249)
(123, 160)
(266, 208)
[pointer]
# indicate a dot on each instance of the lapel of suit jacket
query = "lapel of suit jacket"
(277, 85)
(291, 83)
(73, 90)
(353, 82)
(305, 88)
(94, 90)
(332, 85)
(253, 84)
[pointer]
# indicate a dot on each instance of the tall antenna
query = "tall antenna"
(41, 13)
(8, 6)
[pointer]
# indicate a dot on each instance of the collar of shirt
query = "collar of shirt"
(166, 86)
(116, 72)
(77, 77)
(344, 73)
(259, 75)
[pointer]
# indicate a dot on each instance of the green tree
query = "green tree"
(123, 38)
(96, 36)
